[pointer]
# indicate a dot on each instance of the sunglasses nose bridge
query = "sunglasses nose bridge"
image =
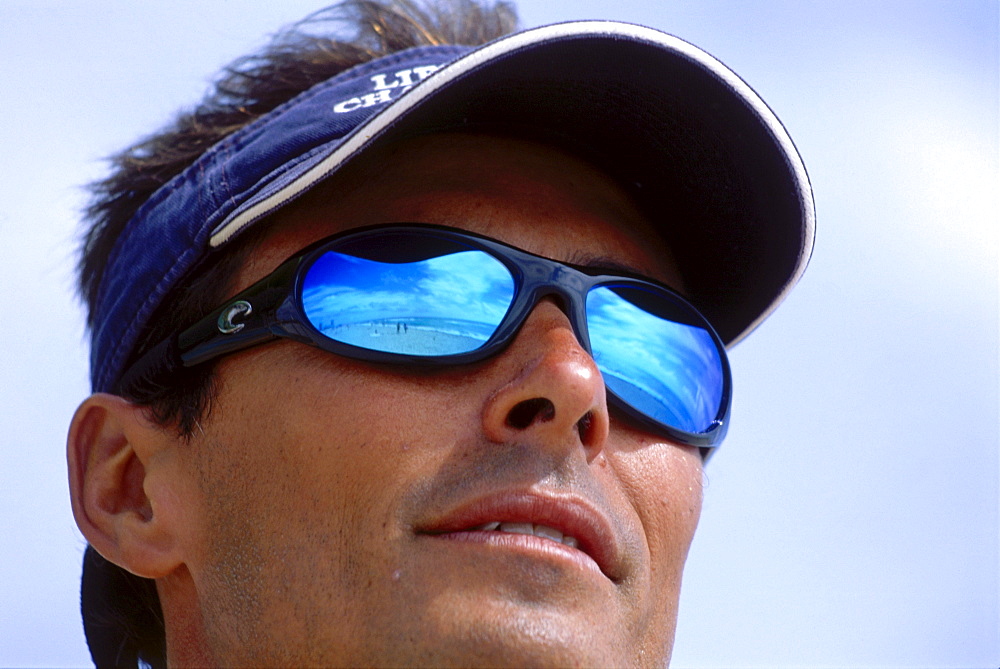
(550, 279)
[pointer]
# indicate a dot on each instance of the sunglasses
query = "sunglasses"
(425, 295)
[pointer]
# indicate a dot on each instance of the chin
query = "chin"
(523, 638)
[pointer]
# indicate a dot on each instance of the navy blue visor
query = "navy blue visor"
(424, 295)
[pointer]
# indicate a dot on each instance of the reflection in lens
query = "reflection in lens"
(669, 371)
(443, 305)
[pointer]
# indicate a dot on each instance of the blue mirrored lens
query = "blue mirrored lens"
(443, 305)
(654, 361)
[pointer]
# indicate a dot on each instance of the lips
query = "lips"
(568, 524)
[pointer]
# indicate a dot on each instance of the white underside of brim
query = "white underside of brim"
(440, 79)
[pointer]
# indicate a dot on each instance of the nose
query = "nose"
(551, 391)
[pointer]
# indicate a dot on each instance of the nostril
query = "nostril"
(583, 426)
(524, 413)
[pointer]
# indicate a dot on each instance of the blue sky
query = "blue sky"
(851, 518)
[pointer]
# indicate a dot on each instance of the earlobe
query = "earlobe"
(111, 447)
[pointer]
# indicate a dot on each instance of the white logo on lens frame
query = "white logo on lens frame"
(236, 311)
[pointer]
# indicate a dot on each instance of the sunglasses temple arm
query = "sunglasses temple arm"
(222, 345)
(243, 321)
(153, 371)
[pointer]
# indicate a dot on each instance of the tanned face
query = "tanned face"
(330, 512)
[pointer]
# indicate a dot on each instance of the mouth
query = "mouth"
(549, 527)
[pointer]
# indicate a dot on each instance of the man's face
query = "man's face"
(335, 510)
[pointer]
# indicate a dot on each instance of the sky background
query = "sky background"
(851, 518)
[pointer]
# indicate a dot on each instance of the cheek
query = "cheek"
(327, 433)
(331, 434)
(301, 483)
(664, 484)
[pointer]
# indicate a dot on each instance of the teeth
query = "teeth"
(548, 533)
(517, 528)
(529, 528)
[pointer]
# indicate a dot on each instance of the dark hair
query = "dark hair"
(123, 630)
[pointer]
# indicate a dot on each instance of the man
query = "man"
(410, 354)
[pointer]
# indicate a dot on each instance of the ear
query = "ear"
(112, 449)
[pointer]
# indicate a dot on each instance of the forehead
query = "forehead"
(525, 193)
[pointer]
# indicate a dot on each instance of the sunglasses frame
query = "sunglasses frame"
(272, 308)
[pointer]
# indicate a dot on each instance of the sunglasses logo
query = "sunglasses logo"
(228, 322)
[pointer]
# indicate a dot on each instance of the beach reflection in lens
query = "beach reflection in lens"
(666, 369)
(443, 305)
